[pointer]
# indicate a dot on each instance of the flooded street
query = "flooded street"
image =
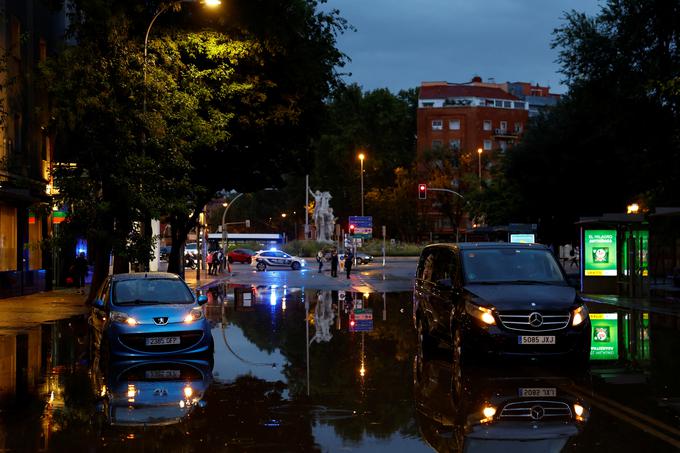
(296, 369)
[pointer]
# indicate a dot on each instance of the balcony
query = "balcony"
(505, 133)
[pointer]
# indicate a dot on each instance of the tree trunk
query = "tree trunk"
(101, 252)
(121, 263)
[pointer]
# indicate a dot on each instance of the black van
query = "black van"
(500, 299)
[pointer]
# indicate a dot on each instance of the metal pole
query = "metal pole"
(362, 187)
(225, 235)
(306, 205)
(307, 337)
(479, 155)
(198, 250)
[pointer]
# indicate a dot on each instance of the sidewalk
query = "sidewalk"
(651, 304)
(17, 313)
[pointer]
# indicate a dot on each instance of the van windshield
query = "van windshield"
(511, 265)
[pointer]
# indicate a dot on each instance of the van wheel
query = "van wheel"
(295, 265)
(261, 266)
(425, 342)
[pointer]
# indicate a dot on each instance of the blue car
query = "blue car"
(149, 314)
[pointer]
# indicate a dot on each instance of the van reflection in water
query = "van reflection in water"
(504, 409)
(154, 392)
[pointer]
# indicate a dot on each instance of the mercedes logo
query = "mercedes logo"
(161, 321)
(535, 319)
(537, 412)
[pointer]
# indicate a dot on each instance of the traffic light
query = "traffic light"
(351, 228)
(422, 191)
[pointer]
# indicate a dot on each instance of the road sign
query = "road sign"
(363, 226)
(361, 320)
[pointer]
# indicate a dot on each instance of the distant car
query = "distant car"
(276, 259)
(240, 256)
(165, 252)
(149, 314)
(361, 258)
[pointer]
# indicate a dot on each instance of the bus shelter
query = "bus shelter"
(615, 254)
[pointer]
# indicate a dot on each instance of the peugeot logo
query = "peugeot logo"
(535, 319)
(537, 412)
(161, 321)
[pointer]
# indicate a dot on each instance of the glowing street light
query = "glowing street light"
(633, 208)
(361, 159)
(479, 155)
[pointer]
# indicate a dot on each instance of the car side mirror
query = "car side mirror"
(98, 303)
(202, 299)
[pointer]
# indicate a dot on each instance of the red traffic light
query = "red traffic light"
(351, 227)
(422, 191)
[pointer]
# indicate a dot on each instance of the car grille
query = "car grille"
(138, 341)
(536, 410)
(529, 321)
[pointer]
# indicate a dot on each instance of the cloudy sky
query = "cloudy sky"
(400, 43)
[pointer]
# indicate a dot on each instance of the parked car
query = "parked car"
(498, 299)
(149, 314)
(240, 256)
(265, 259)
(361, 257)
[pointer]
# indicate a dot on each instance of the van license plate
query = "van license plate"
(536, 339)
(538, 392)
(161, 341)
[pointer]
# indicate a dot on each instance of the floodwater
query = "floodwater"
(296, 369)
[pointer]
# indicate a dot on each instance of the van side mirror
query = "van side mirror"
(202, 299)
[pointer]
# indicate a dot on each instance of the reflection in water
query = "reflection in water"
(503, 409)
(154, 392)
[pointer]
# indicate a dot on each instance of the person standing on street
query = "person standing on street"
(319, 259)
(349, 258)
(80, 268)
(334, 263)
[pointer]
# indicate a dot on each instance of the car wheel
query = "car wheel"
(261, 266)
(295, 265)
(425, 343)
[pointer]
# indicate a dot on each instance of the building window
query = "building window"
(8, 238)
(437, 125)
(518, 127)
(436, 144)
(34, 239)
(504, 145)
(487, 145)
(504, 125)
(519, 105)
(487, 125)
(454, 125)
(454, 144)
(499, 103)
(428, 104)
(507, 104)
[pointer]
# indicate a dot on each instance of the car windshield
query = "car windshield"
(511, 265)
(151, 291)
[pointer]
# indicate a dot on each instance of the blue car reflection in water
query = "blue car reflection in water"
(154, 393)
(149, 314)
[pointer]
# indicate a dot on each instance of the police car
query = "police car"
(276, 259)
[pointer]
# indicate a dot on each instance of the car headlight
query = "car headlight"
(194, 315)
(483, 314)
(579, 315)
(123, 318)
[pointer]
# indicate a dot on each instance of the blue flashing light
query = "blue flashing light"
(273, 249)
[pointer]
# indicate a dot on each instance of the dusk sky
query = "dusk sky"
(400, 43)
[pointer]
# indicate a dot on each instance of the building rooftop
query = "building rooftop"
(444, 90)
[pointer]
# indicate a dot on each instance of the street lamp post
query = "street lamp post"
(225, 236)
(361, 159)
(479, 156)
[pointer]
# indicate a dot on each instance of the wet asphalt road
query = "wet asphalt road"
(289, 373)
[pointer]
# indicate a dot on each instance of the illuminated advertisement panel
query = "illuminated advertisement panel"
(522, 238)
(600, 253)
(605, 336)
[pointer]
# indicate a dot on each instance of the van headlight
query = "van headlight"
(483, 314)
(579, 315)
(194, 315)
(123, 318)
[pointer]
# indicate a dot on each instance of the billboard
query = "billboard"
(600, 253)
(523, 238)
(604, 336)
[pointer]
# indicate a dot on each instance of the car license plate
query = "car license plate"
(536, 339)
(161, 341)
(162, 374)
(538, 392)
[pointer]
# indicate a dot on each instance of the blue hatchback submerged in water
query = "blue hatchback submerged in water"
(149, 314)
